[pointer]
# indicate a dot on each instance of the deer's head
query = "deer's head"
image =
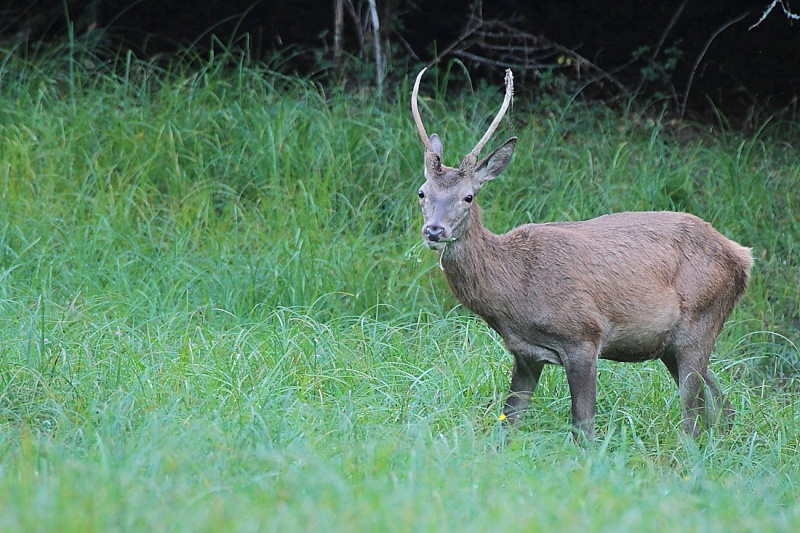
(447, 197)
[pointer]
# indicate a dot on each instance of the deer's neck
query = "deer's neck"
(474, 265)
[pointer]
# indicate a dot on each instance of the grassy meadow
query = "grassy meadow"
(216, 313)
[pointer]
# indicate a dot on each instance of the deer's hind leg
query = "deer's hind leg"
(687, 360)
(717, 409)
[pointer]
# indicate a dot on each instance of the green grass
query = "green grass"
(216, 315)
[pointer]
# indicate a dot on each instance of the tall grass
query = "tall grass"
(216, 315)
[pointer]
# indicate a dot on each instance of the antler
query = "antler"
(426, 142)
(506, 101)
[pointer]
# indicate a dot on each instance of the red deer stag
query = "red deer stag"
(628, 286)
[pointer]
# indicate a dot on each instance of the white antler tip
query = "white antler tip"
(509, 81)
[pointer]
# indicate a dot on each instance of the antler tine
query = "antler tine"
(506, 101)
(426, 142)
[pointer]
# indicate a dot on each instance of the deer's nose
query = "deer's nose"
(433, 232)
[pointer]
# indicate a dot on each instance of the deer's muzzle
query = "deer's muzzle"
(435, 236)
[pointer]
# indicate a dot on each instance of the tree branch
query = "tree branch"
(769, 10)
(700, 56)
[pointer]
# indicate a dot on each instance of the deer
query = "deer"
(627, 286)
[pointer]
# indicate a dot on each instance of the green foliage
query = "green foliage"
(216, 314)
(659, 69)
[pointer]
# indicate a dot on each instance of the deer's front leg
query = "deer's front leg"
(581, 368)
(524, 378)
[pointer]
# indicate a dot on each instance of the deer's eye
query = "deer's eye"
(421, 194)
(468, 198)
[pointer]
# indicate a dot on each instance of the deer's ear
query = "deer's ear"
(436, 144)
(433, 160)
(433, 165)
(493, 164)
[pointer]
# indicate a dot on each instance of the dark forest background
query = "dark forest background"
(699, 57)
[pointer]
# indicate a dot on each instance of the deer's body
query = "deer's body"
(623, 282)
(627, 287)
